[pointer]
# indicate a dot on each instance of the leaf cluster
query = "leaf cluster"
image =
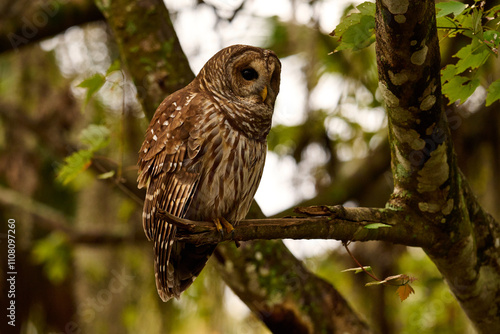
(357, 30)
(94, 138)
(479, 25)
(53, 252)
(482, 29)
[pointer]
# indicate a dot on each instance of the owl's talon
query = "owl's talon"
(218, 226)
(222, 225)
(228, 226)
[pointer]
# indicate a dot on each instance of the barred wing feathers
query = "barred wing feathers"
(169, 167)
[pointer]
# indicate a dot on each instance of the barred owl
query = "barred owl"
(203, 156)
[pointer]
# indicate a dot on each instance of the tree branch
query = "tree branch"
(324, 222)
(53, 220)
(25, 22)
(353, 184)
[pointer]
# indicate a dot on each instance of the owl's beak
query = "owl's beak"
(263, 93)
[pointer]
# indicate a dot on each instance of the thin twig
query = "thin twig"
(359, 264)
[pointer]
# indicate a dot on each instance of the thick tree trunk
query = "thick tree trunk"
(427, 181)
(286, 296)
(149, 47)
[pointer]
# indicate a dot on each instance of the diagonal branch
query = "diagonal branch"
(150, 48)
(25, 22)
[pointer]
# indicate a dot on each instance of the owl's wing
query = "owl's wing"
(167, 160)
(170, 169)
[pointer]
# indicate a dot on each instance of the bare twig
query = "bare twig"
(359, 264)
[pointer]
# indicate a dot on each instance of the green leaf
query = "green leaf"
(115, 66)
(367, 8)
(74, 165)
(375, 226)
(493, 11)
(459, 88)
(448, 72)
(346, 23)
(450, 7)
(493, 93)
(375, 283)
(465, 22)
(446, 23)
(358, 270)
(95, 137)
(93, 84)
(54, 254)
(360, 35)
(477, 28)
(492, 41)
(471, 56)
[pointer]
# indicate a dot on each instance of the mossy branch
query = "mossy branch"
(321, 222)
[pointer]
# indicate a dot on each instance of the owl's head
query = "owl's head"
(246, 73)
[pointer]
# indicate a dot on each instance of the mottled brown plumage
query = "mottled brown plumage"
(203, 155)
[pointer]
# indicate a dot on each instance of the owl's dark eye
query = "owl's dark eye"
(249, 74)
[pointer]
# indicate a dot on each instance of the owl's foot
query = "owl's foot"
(222, 224)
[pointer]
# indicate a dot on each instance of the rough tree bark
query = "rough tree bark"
(149, 48)
(427, 181)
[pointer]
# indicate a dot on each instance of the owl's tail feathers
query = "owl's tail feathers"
(183, 264)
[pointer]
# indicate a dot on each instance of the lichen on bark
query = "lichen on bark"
(152, 53)
(463, 252)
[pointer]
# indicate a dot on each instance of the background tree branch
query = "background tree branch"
(51, 219)
(24, 22)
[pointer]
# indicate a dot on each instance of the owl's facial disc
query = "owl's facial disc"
(255, 76)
